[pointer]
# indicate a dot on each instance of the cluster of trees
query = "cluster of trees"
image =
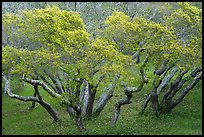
(52, 48)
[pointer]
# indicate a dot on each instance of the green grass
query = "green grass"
(185, 119)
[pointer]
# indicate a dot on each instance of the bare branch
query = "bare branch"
(166, 80)
(128, 92)
(43, 85)
(12, 95)
(162, 68)
(105, 97)
(184, 92)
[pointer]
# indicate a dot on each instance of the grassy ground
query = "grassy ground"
(185, 119)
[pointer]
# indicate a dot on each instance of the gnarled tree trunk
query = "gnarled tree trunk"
(104, 98)
(167, 103)
(128, 92)
(44, 104)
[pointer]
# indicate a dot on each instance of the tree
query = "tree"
(165, 50)
(184, 20)
(51, 48)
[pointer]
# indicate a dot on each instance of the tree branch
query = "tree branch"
(182, 82)
(46, 105)
(128, 92)
(184, 92)
(162, 69)
(104, 98)
(118, 105)
(43, 85)
(55, 81)
(173, 87)
(166, 80)
(12, 95)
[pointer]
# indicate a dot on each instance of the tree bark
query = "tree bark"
(85, 97)
(128, 92)
(48, 83)
(167, 104)
(173, 104)
(43, 85)
(154, 102)
(162, 68)
(78, 119)
(50, 110)
(70, 111)
(90, 102)
(117, 107)
(101, 103)
(177, 85)
(158, 87)
(146, 102)
(174, 87)
(166, 80)
(89, 97)
(33, 103)
(104, 98)
(56, 82)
